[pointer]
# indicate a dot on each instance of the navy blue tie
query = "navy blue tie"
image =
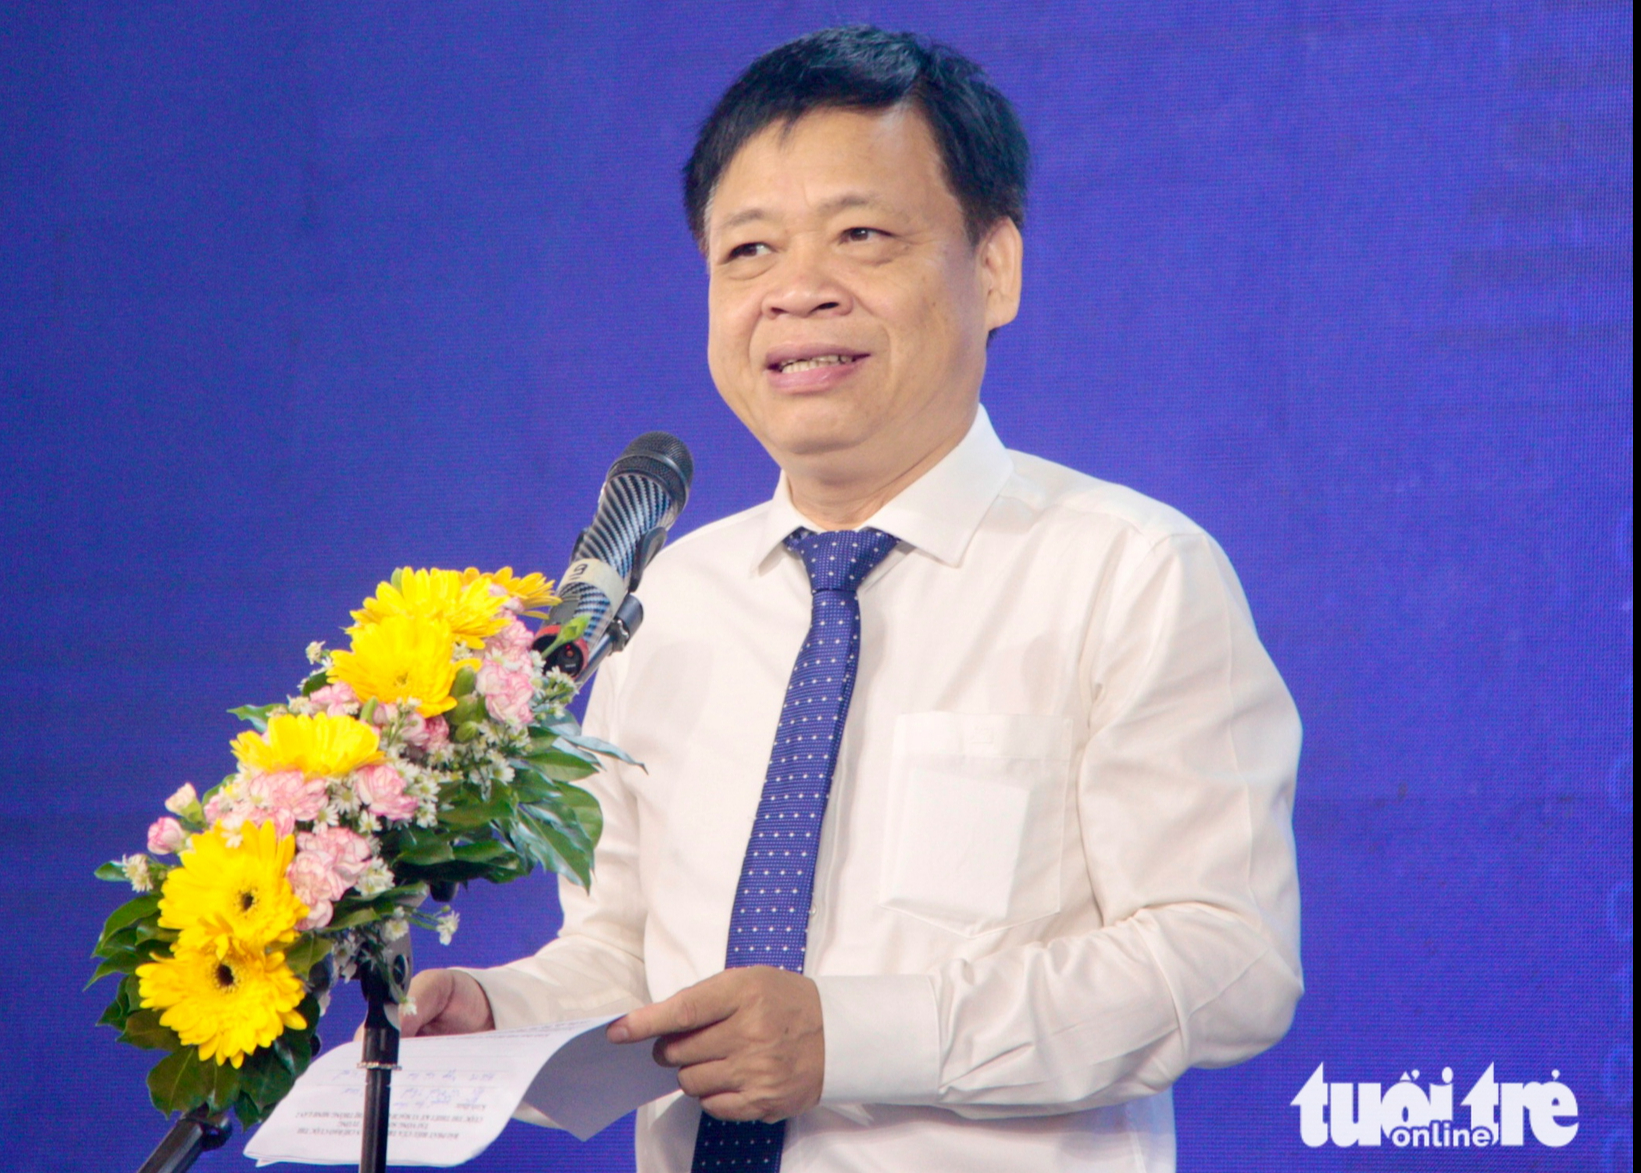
(770, 922)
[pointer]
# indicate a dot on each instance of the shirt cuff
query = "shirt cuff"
(515, 1000)
(521, 998)
(882, 1039)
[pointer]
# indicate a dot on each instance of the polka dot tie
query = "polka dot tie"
(770, 922)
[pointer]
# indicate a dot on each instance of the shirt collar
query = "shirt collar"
(937, 513)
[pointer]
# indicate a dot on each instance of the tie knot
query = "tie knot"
(840, 560)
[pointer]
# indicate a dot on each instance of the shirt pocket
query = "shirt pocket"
(976, 819)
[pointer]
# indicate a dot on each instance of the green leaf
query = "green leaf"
(466, 681)
(306, 952)
(424, 853)
(404, 896)
(111, 871)
(257, 715)
(353, 918)
(123, 1005)
(484, 851)
(149, 930)
(562, 817)
(178, 1082)
(561, 765)
(221, 1084)
(119, 963)
(598, 746)
(471, 815)
(529, 786)
(250, 1113)
(315, 682)
(580, 864)
(295, 1048)
(129, 913)
(265, 1079)
(143, 1029)
(535, 839)
(588, 813)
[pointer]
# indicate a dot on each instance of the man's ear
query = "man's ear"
(1001, 257)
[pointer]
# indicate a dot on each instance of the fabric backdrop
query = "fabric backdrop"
(295, 293)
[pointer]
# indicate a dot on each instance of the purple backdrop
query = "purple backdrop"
(295, 293)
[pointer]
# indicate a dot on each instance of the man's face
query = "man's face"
(849, 310)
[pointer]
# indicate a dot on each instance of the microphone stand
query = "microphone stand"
(198, 1132)
(380, 1059)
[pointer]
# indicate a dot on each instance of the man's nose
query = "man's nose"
(805, 286)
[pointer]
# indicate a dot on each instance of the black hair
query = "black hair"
(982, 143)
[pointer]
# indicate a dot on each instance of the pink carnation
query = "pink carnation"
(225, 812)
(334, 698)
(382, 789)
(512, 641)
(166, 837)
(313, 881)
(425, 733)
(347, 852)
(288, 797)
(507, 689)
(327, 863)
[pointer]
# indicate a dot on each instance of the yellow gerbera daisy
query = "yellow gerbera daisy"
(402, 658)
(531, 590)
(223, 897)
(470, 609)
(227, 1004)
(321, 746)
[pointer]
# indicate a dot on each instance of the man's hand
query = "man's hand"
(447, 1002)
(747, 1042)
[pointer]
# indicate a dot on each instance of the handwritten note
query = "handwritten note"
(452, 1096)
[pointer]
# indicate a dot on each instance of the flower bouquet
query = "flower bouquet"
(435, 750)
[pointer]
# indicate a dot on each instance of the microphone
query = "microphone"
(643, 494)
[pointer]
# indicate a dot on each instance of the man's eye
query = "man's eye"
(860, 234)
(751, 249)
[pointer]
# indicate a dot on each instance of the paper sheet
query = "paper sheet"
(453, 1095)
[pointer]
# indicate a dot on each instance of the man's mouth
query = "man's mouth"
(792, 366)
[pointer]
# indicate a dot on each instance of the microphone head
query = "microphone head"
(663, 458)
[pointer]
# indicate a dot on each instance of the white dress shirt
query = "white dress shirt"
(1057, 865)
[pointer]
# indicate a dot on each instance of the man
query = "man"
(1021, 854)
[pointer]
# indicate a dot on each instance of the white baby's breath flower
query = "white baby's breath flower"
(316, 651)
(375, 879)
(447, 923)
(136, 872)
(396, 926)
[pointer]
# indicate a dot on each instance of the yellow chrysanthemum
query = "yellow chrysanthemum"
(227, 1004)
(402, 658)
(470, 609)
(223, 897)
(531, 590)
(321, 746)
